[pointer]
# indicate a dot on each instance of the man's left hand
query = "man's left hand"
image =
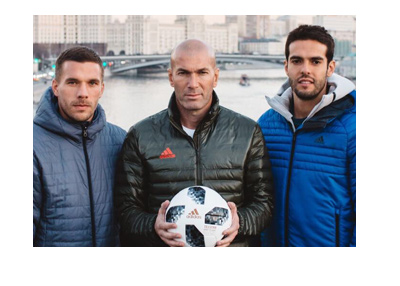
(230, 233)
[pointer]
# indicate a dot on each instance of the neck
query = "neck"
(302, 108)
(191, 119)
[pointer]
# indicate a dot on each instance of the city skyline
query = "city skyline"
(170, 19)
(209, 19)
(158, 34)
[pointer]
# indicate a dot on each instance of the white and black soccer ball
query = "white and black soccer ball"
(201, 215)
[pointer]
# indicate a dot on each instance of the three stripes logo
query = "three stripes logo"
(167, 154)
(193, 214)
(319, 140)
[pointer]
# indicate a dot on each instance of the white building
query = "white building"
(146, 35)
(343, 30)
(292, 22)
(116, 37)
(69, 29)
(169, 36)
(48, 29)
(262, 46)
(342, 27)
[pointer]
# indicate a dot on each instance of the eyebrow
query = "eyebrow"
(312, 58)
(75, 79)
(198, 70)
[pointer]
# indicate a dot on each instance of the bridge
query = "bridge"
(120, 64)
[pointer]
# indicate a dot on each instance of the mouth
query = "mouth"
(81, 106)
(192, 95)
(305, 82)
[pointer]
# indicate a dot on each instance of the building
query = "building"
(54, 33)
(145, 35)
(139, 34)
(116, 38)
(169, 36)
(343, 30)
(262, 46)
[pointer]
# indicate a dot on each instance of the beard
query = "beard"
(319, 86)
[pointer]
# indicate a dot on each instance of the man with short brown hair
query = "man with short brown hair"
(74, 156)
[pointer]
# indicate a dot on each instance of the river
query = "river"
(127, 99)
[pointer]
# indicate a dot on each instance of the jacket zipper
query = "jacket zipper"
(287, 190)
(199, 178)
(84, 136)
(337, 221)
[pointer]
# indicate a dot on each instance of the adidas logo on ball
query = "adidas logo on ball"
(194, 214)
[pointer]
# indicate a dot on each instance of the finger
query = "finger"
(169, 234)
(232, 206)
(227, 239)
(163, 208)
(170, 238)
(174, 243)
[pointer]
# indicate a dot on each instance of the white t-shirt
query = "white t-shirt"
(189, 131)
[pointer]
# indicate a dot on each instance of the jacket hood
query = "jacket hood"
(48, 117)
(339, 87)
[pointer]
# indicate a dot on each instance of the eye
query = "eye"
(295, 61)
(316, 62)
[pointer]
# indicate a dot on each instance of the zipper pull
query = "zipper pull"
(84, 132)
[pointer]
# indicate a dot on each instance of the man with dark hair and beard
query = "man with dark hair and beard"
(310, 133)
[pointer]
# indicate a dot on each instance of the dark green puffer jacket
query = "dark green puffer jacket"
(227, 153)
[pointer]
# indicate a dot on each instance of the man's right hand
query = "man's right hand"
(161, 227)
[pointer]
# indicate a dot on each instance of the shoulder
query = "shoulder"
(236, 118)
(268, 115)
(348, 119)
(115, 130)
(150, 125)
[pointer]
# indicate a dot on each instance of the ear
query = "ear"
(54, 86)
(216, 77)
(102, 89)
(331, 68)
(286, 67)
(170, 77)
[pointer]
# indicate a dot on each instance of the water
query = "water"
(128, 99)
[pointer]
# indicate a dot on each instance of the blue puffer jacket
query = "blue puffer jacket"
(314, 169)
(73, 178)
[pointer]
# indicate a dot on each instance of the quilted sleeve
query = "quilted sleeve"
(352, 174)
(130, 197)
(37, 194)
(256, 213)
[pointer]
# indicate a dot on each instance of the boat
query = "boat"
(244, 80)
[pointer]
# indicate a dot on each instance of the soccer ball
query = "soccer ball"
(201, 215)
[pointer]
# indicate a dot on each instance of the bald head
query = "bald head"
(192, 47)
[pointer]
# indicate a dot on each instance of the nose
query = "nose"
(83, 90)
(193, 81)
(305, 68)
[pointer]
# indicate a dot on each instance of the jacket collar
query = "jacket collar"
(339, 88)
(174, 115)
(48, 117)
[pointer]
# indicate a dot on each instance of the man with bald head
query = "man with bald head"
(194, 142)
